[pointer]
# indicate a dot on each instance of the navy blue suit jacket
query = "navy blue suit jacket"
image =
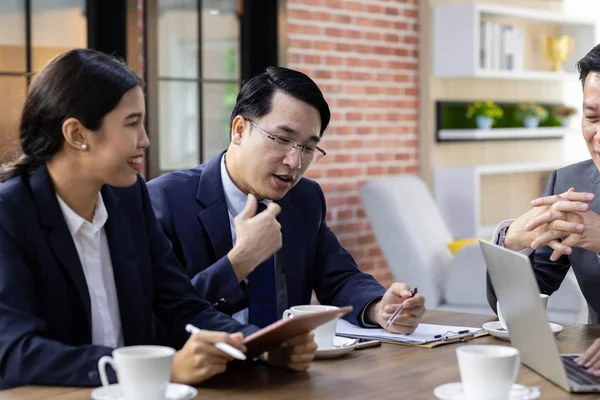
(190, 205)
(45, 310)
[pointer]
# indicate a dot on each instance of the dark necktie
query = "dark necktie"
(262, 310)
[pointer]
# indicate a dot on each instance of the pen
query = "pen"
(399, 309)
(224, 347)
(363, 344)
(457, 333)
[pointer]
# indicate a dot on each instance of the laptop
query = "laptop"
(518, 293)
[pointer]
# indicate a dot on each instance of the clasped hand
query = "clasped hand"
(559, 221)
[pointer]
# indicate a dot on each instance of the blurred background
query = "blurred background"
(440, 90)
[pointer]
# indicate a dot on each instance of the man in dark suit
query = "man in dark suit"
(562, 230)
(253, 264)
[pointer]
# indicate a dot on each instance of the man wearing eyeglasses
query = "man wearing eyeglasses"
(251, 231)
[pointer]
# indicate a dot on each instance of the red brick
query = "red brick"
(295, 13)
(324, 45)
(353, 6)
(373, 36)
(410, 13)
(371, 8)
(353, 62)
(343, 158)
(375, 170)
(391, 11)
(372, 63)
(334, 4)
(342, 19)
(353, 89)
(364, 157)
(353, 116)
(304, 29)
(313, 174)
(343, 75)
(322, 74)
(312, 59)
(345, 47)
(300, 43)
(412, 39)
(374, 102)
(312, 2)
(333, 32)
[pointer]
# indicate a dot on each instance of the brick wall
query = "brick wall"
(364, 55)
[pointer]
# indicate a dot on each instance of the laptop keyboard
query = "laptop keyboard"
(578, 374)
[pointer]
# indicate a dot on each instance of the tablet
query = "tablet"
(271, 337)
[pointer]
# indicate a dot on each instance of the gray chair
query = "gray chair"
(414, 238)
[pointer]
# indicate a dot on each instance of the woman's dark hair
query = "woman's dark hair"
(589, 63)
(255, 96)
(83, 84)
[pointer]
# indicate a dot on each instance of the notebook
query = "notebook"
(424, 334)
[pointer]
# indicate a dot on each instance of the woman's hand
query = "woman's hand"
(199, 359)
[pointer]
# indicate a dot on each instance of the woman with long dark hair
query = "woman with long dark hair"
(84, 266)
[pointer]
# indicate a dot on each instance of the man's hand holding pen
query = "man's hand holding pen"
(399, 295)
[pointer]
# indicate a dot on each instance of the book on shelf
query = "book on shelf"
(501, 47)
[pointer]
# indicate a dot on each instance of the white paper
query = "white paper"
(424, 333)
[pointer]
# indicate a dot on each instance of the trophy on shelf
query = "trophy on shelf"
(557, 49)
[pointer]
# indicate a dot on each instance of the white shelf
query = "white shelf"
(458, 193)
(524, 14)
(499, 169)
(456, 40)
(527, 75)
(501, 133)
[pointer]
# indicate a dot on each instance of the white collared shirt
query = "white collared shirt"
(236, 201)
(94, 255)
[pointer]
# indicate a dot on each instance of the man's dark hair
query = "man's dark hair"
(589, 63)
(255, 96)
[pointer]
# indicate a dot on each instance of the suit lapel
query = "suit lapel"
(292, 256)
(59, 238)
(214, 217)
(126, 269)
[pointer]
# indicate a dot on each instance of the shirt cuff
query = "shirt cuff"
(362, 318)
(501, 231)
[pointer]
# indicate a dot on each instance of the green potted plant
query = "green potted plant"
(531, 114)
(564, 113)
(485, 113)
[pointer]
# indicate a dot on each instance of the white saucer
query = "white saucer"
(494, 328)
(453, 391)
(175, 391)
(341, 345)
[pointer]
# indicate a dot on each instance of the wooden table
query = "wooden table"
(386, 372)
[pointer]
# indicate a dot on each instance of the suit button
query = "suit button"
(220, 302)
(93, 375)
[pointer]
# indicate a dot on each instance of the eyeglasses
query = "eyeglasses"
(284, 145)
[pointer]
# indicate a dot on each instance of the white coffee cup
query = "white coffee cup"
(543, 297)
(325, 333)
(143, 372)
(487, 372)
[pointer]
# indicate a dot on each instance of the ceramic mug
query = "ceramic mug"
(487, 372)
(543, 298)
(143, 372)
(325, 333)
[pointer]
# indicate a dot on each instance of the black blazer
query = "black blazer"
(44, 302)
